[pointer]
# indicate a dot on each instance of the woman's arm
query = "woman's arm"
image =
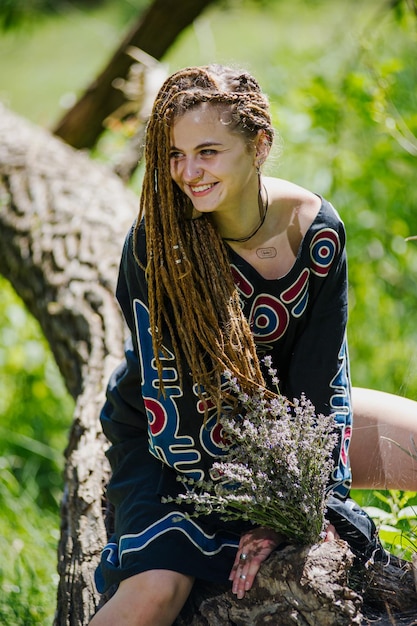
(123, 415)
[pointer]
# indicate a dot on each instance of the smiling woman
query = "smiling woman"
(222, 267)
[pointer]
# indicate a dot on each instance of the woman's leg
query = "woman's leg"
(152, 598)
(383, 451)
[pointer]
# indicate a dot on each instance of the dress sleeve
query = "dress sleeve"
(319, 367)
(123, 415)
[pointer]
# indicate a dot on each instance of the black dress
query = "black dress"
(300, 320)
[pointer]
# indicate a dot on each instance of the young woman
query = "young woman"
(223, 265)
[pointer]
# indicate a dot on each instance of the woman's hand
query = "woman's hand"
(255, 547)
(331, 533)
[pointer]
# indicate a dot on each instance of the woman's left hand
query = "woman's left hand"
(254, 547)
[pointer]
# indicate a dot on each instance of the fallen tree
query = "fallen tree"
(63, 219)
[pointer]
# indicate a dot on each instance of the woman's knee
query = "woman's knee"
(152, 598)
(163, 587)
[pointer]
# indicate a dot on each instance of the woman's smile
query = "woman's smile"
(199, 190)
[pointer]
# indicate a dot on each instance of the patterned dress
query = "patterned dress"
(300, 320)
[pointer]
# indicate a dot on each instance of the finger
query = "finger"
(244, 577)
(252, 570)
(241, 582)
(240, 568)
(242, 557)
(331, 533)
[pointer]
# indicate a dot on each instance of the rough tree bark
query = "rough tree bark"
(154, 33)
(318, 585)
(63, 219)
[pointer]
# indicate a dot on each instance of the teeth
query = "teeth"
(201, 188)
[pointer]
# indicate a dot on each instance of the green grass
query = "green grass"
(28, 540)
(35, 413)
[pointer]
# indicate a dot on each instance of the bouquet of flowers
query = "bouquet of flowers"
(276, 465)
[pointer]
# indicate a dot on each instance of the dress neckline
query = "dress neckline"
(242, 260)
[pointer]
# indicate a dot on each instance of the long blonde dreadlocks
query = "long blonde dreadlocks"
(190, 285)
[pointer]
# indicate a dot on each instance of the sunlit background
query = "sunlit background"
(342, 78)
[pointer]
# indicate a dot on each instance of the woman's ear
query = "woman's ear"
(262, 148)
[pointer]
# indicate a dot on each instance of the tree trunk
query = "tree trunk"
(154, 33)
(63, 219)
(305, 586)
(319, 585)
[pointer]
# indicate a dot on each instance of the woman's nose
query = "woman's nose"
(192, 171)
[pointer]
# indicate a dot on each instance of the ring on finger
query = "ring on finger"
(243, 576)
(243, 556)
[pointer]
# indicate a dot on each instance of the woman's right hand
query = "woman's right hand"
(254, 547)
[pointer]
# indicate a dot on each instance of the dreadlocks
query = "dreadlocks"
(190, 285)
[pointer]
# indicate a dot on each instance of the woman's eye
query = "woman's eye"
(208, 152)
(175, 156)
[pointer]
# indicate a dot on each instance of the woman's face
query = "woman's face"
(212, 165)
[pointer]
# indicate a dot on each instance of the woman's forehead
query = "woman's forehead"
(207, 112)
(201, 125)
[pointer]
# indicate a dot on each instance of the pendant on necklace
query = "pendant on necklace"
(266, 253)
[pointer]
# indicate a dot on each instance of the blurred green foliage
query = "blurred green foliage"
(35, 407)
(16, 14)
(35, 414)
(342, 83)
(395, 514)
